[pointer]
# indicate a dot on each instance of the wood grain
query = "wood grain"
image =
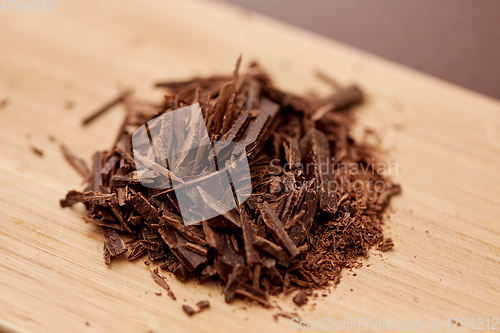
(445, 140)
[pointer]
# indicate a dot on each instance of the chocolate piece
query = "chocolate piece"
(118, 99)
(145, 208)
(177, 243)
(385, 245)
(341, 99)
(300, 298)
(239, 274)
(102, 223)
(259, 130)
(37, 151)
(250, 292)
(188, 310)
(113, 243)
(162, 283)
(274, 224)
(191, 233)
(203, 305)
(207, 273)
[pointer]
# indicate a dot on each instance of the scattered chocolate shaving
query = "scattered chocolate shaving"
(203, 305)
(269, 247)
(274, 224)
(113, 243)
(118, 99)
(76, 162)
(300, 298)
(182, 273)
(284, 315)
(162, 283)
(252, 257)
(310, 214)
(188, 310)
(341, 99)
(386, 245)
(37, 151)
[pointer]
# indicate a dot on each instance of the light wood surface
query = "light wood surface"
(445, 140)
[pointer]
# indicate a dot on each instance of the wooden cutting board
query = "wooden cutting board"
(444, 139)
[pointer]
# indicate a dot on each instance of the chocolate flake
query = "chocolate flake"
(385, 245)
(120, 98)
(162, 283)
(203, 305)
(188, 310)
(113, 243)
(300, 298)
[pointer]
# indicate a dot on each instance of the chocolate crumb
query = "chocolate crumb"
(118, 99)
(188, 310)
(203, 304)
(386, 245)
(300, 298)
(37, 151)
(284, 315)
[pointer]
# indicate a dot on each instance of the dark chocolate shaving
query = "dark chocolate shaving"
(118, 99)
(162, 283)
(188, 310)
(274, 224)
(300, 298)
(113, 243)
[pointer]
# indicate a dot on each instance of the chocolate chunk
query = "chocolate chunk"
(188, 310)
(113, 243)
(203, 305)
(300, 298)
(385, 245)
(118, 99)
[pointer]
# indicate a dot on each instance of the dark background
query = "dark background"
(456, 40)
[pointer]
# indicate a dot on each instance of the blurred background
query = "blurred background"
(456, 40)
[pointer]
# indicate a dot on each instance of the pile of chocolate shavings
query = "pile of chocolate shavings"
(284, 238)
